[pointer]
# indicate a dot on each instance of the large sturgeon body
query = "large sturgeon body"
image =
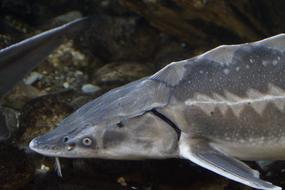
(215, 109)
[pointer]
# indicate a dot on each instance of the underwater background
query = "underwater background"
(127, 40)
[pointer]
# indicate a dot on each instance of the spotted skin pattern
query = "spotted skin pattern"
(237, 98)
(215, 109)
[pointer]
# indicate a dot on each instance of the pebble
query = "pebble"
(66, 85)
(32, 78)
(89, 88)
(67, 17)
(43, 169)
(122, 181)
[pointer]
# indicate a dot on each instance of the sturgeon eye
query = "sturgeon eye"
(120, 125)
(87, 141)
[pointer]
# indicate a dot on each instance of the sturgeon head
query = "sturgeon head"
(121, 124)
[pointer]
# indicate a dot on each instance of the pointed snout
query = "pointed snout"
(46, 145)
(33, 144)
(36, 146)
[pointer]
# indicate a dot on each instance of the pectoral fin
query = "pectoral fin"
(17, 60)
(206, 155)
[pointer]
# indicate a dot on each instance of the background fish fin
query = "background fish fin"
(202, 153)
(18, 59)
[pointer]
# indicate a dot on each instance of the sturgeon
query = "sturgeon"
(215, 109)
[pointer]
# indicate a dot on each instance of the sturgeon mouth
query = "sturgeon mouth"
(45, 149)
(168, 121)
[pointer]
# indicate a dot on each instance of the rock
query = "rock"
(171, 50)
(115, 74)
(120, 38)
(65, 85)
(65, 18)
(16, 168)
(50, 182)
(122, 181)
(81, 100)
(68, 55)
(40, 116)
(21, 94)
(32, 78)
(10, 119)
(4, 131)
(211, 23)
(62, 69)
(11, 32)
(89, 88)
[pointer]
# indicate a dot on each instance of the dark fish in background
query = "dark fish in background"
(19, 59)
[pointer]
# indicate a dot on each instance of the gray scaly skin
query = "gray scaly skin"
(214, 109)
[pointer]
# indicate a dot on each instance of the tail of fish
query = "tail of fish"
(19, 59)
